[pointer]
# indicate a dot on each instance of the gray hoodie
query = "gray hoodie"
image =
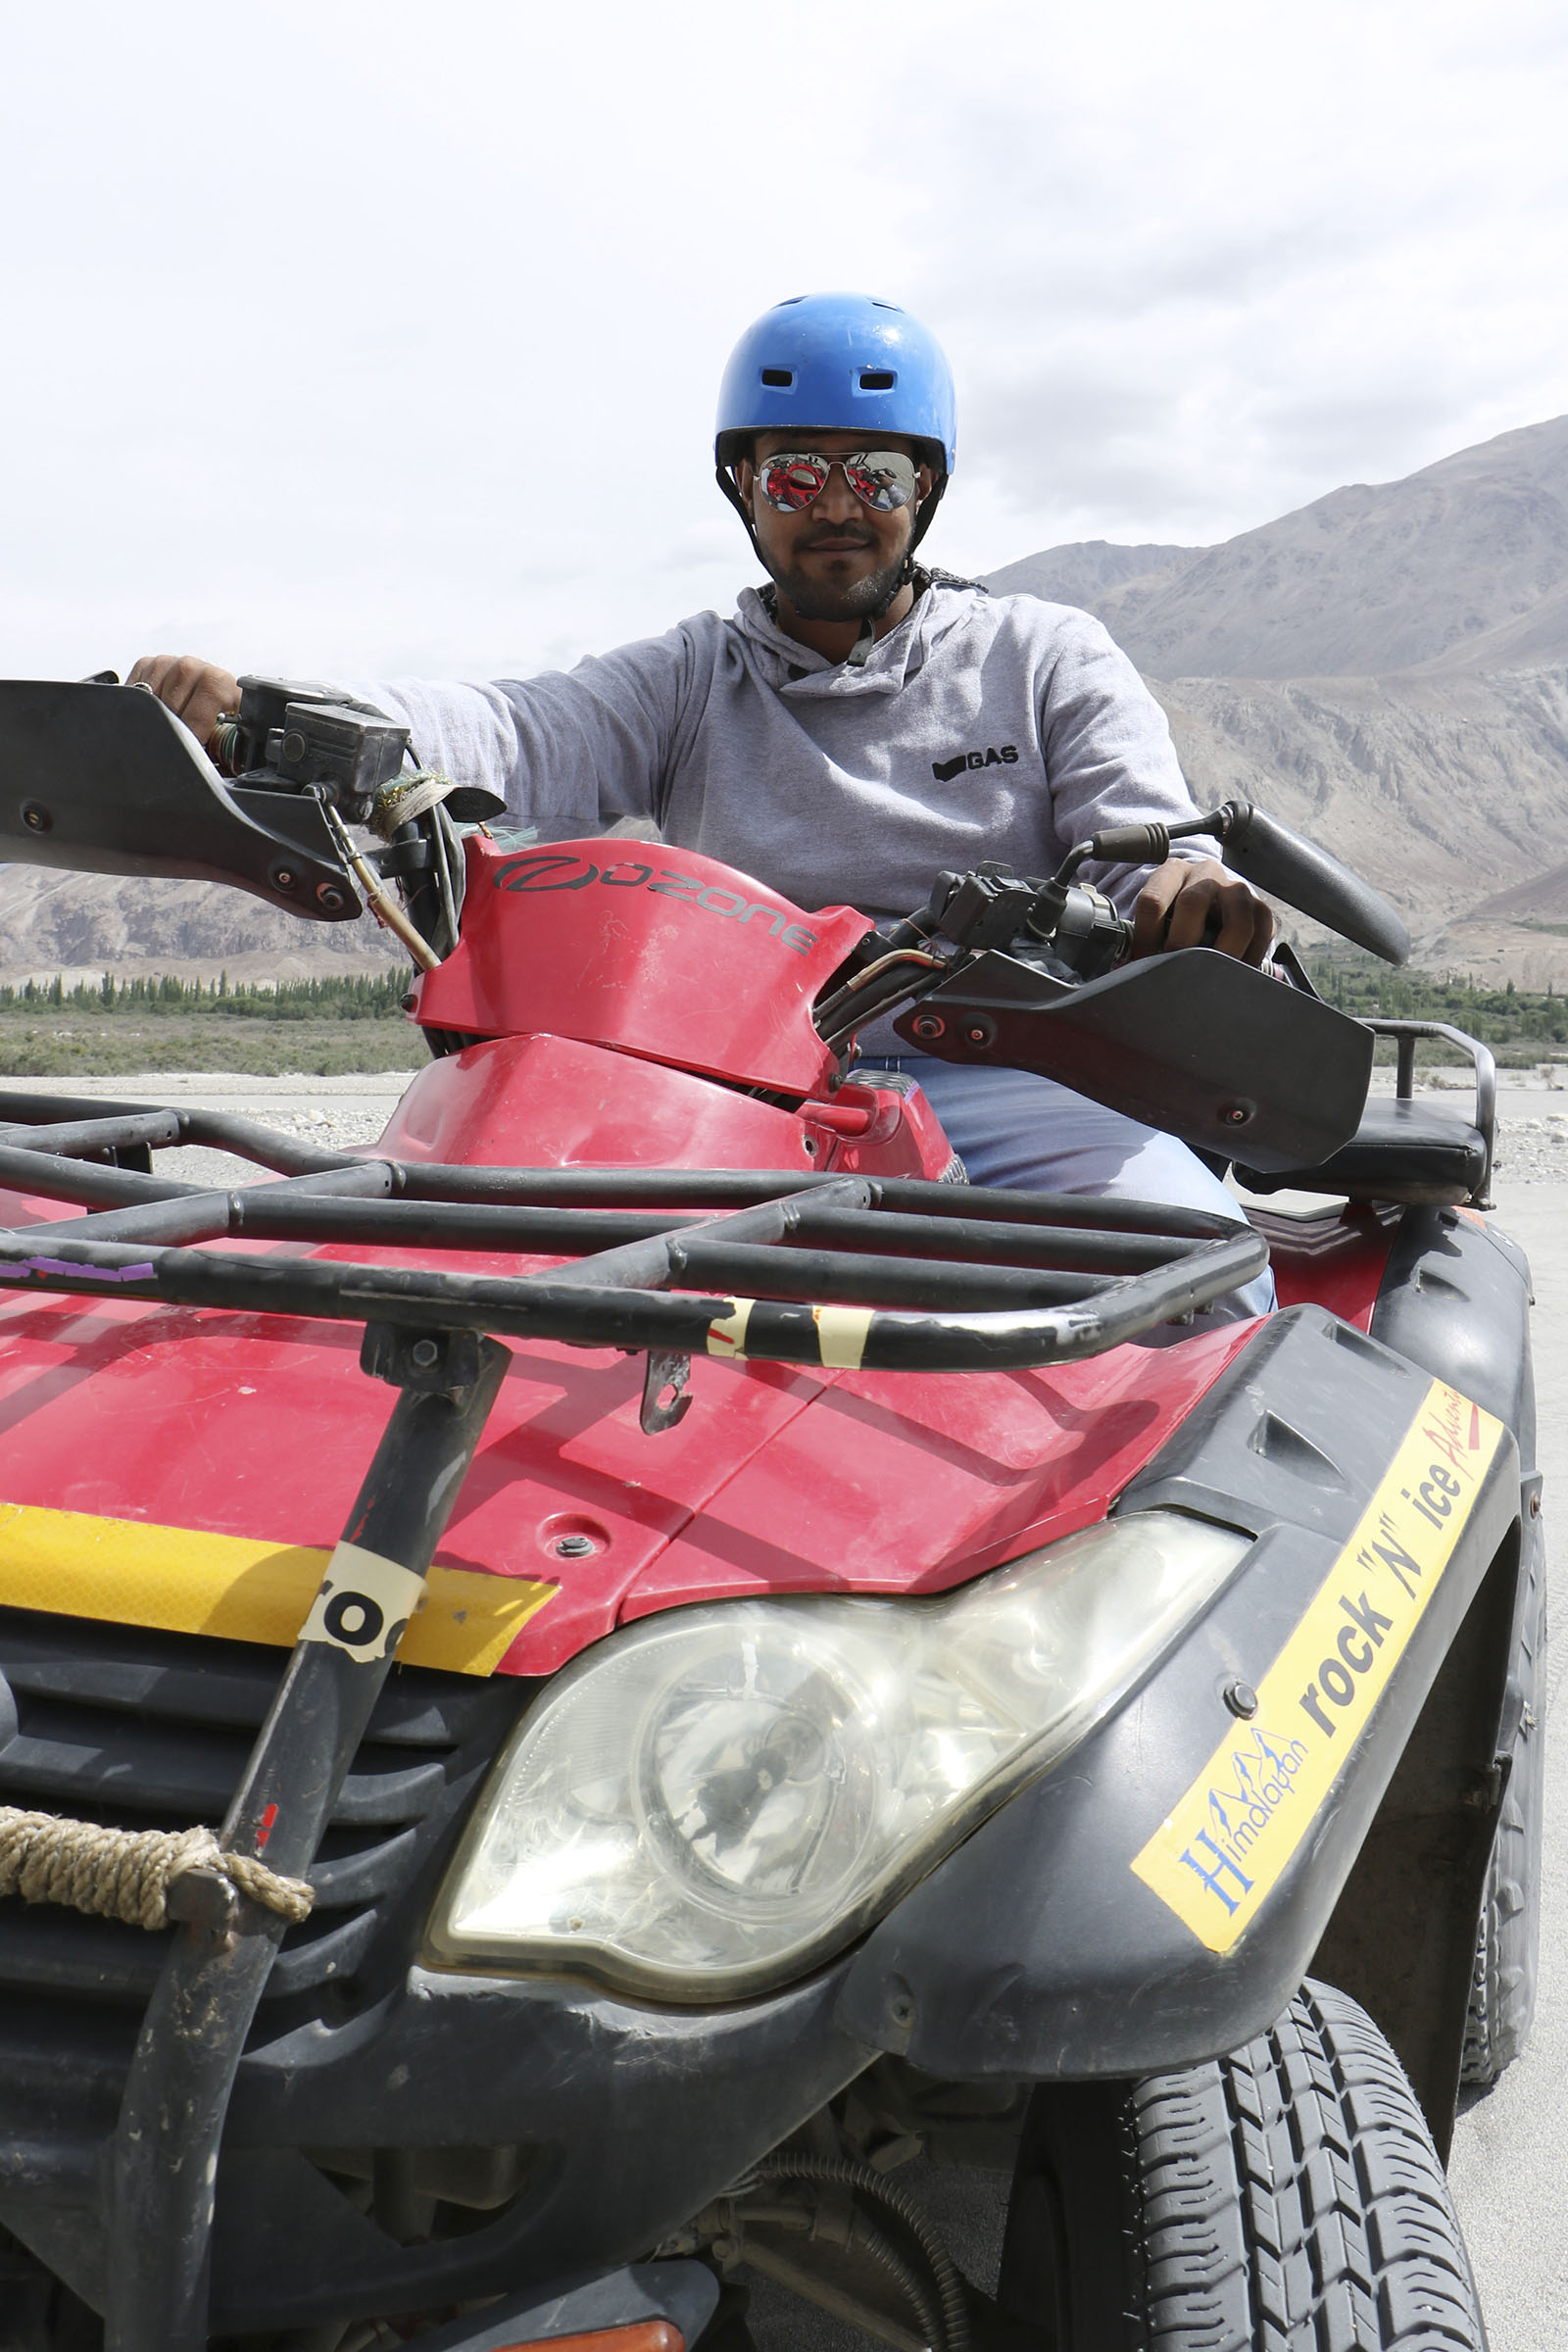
(981, 727)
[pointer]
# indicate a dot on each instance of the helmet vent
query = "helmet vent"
(779, 379)
(878, 379)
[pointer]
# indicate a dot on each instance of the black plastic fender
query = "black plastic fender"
(1035, 1950)
(1456, 1299)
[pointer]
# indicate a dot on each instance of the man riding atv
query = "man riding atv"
(786, 1689)
(860, 724)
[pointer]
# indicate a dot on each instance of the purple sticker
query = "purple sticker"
(65, 1265)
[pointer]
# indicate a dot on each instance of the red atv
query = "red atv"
(820, 1665)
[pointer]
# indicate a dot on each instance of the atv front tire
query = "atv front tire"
(1287, 2198)
(1502, 1990)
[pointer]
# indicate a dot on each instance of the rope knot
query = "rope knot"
(126, 1874)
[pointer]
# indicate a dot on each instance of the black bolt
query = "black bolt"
(1242, 1699)
(574, 1548)
(284, 876)
(328, 894)
(928, 1024)
(425, 1354)
(1236, 1115)
(35, 817)
(292, 746)
(900, 2009)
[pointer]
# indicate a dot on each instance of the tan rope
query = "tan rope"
(408, 798)
(126, 1874)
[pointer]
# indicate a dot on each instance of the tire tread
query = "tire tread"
(1502, 1986)
(1292, 2200)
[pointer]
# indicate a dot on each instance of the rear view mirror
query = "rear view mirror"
(1272, 857)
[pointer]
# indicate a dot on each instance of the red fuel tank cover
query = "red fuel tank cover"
(661, 953)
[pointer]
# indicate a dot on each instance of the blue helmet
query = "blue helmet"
(837, 363)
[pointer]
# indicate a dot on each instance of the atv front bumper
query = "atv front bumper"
(1038, 1949)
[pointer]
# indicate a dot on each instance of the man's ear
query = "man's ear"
(744, 474)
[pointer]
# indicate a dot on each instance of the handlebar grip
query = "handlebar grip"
(1132, 844)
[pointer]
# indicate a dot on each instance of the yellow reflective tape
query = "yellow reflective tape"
(1216, 1856)
(179, 1580)
(841, 1334)
(728, 1336)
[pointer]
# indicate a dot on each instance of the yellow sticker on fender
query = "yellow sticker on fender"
(1216, 1856)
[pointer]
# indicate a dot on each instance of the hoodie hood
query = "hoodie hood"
(800, 674)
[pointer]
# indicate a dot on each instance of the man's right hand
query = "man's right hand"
(196, 691)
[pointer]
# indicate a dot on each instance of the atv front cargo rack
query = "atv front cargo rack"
(773, 1265)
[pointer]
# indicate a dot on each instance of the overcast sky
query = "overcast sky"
(353, 339)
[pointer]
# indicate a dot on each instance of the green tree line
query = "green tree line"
(350, 997)
(1498, 1016)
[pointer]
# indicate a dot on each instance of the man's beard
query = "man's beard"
(818, 599)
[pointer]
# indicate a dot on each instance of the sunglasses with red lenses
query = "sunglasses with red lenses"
(883, 479)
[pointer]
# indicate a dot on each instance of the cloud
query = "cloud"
(390, 342)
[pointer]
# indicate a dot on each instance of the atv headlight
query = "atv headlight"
(709, 1802)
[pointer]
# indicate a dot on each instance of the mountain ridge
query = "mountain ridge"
(1387, 669)
(1452, 565)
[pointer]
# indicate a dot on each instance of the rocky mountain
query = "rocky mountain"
(1388, 670)
(1087, 570)
(1464, 563)
(1449, 793)
(86, 924)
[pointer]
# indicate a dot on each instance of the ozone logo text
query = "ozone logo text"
(551, 870)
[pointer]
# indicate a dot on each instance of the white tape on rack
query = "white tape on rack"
(841, 1334)
(727, 1337)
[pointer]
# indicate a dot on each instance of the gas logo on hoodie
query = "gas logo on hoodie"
(945, 770)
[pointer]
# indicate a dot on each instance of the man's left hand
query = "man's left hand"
(1197, 902)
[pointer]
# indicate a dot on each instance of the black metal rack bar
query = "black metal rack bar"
(165, 2151)
(609, 1188)
(87, 1138)
(1036, 1243)
(865, 1279)
(248, 1139)
(818, 1269)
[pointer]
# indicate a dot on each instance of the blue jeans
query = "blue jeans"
(1012, 1128)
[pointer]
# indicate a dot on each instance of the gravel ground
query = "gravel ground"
(1532, 1149)
(334, 1112)
(1532, 1132)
